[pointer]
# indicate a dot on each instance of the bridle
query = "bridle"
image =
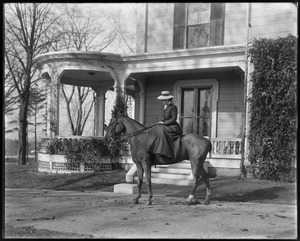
(129, 135)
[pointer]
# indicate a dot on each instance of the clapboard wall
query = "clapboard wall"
(230, 105)
(268, 20)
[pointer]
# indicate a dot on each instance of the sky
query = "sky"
(128, 11)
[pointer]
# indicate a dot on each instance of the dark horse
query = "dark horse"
(193, 148)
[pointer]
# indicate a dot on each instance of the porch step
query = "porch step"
(179, 165)
(176, 174)
(170, 175)
(171, 170)
(180, 173)
(178, 168)
(163, 180)
(179, 182)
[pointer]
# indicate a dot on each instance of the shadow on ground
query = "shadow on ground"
(241, 190)
(266, 194)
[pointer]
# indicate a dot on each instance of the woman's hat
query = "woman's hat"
(165, 95)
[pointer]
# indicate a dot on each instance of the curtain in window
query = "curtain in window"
(204, 25)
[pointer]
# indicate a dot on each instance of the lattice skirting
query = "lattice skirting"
(58, 164)
(90, 167)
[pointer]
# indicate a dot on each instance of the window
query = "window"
(195, 110)
(179, 25)
(198, 25)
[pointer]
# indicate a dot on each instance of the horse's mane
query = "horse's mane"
(131, 120)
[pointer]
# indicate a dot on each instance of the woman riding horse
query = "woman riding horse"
(170, 114)
(166, 135)
(190, 147)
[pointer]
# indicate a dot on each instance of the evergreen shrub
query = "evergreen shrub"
(79, 151)
(272, 138)
(118, 147)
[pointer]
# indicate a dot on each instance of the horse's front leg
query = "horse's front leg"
(140, 173)
(147, 167)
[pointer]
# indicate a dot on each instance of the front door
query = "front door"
(195, 110)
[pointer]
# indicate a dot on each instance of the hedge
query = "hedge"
(79, 151)
(272, 138)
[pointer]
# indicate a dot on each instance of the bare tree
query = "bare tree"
(27, 33)
(124, 25)
(79, 109)
(82, 30)
(11, 99)
(37, 101)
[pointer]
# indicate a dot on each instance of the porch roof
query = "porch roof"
(188, 59)
(95, 69)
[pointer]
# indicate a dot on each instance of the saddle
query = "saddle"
(164, 141)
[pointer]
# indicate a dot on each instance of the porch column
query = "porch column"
(119, 76)
(249, 69)
(142, 101)
(100, 110)
(52, 112)
(247, 117)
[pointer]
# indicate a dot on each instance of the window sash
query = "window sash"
(178, 37)
(198, 13)
(205, 25)
(198, 36)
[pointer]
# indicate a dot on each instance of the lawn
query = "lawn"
(27, 176)
(232, 189)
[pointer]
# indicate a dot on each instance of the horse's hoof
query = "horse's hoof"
(206, 202)
(192, 201)
(149, 202)
(135, 201)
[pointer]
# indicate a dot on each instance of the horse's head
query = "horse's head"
(115, 125)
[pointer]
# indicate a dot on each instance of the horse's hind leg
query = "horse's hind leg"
(205, 177)
(195, 172)
(140, 173)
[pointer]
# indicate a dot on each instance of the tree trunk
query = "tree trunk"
(22, 150)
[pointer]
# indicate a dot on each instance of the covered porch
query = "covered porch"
(143, 77)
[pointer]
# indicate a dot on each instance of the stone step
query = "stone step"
(125, 188)
(171, 170)
(164, 178)
(170, 176)
(183, 164)
(179, 182)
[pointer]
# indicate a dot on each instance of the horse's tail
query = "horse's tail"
(210, 147)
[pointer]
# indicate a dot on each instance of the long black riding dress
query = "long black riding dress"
(164, 139)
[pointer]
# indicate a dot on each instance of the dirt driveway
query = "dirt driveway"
(39, 205)
(98, 214)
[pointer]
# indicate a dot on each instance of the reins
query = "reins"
(129, 135)
(137, 132)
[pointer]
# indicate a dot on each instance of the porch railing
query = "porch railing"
(226, 148)
(221, 147)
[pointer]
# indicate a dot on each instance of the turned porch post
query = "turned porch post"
(100, 110)
(52, 112)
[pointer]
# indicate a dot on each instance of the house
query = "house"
(197, 51)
